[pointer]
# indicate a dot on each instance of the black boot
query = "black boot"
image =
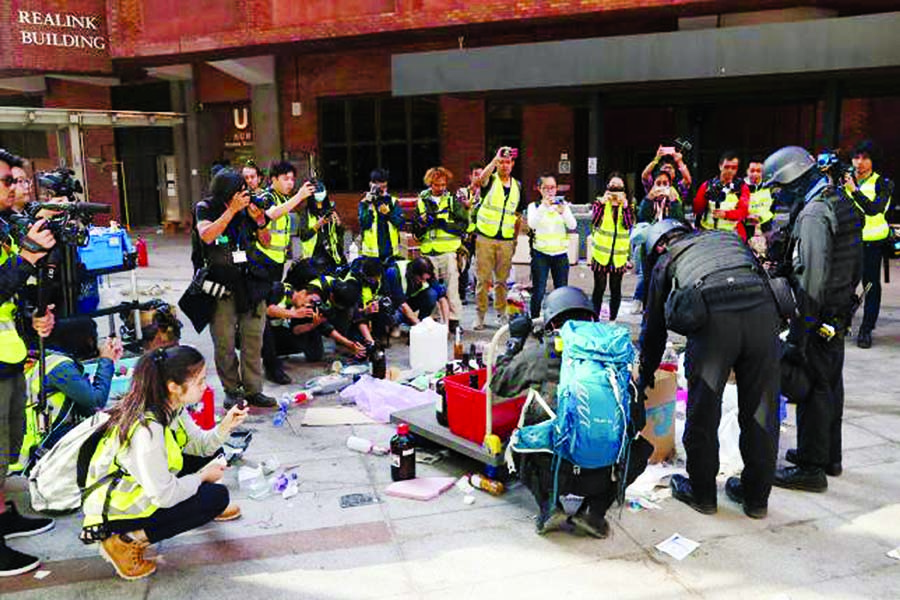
(832, 469)
(278, 376)
(807, 479)
(735, 492)
(684, 492)
(864, 339)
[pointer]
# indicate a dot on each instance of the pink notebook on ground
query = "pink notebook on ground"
(420, 488)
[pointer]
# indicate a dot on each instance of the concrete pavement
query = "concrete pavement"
(811, 545)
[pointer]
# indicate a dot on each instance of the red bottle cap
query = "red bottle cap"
(403, 429)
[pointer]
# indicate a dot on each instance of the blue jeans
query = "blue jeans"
(543, 265)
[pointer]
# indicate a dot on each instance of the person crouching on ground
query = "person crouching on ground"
(150, 452)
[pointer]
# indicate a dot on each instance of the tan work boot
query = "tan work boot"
(231, 512)
(127, 556)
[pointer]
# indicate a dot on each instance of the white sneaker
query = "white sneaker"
(637, 307)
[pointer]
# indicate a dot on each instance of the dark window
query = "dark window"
(358, 134)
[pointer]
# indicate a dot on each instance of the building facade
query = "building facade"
(343, 86)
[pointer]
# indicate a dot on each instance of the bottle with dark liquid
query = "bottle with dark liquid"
(403, 454)
(379, 363)
(458, 346)
(440, 407)
(473, 380)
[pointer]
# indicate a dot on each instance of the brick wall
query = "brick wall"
(548, 130)
(462, 135)
(79, 45)
(98, 143)
(154, 28)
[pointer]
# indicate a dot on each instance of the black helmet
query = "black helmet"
(786, 166)
(662, 229)
(566, 301)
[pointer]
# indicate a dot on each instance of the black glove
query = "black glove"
(638, 410)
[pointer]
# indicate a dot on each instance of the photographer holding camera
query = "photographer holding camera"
(610, 243)
(321, 232)
(442, 222)
(380, 220)
(551, 220)
(670, 159)
(273, 240)
(227, 224)
(17, 263)
(723, 202)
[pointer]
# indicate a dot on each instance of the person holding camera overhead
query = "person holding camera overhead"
(321, 232)
(380, 220)
(723, 202)
(441, 223)
(550, 220)
(227, 224)
(274, 238)
(17, 263)
(497, 228)
(670, 159)
(610, 243)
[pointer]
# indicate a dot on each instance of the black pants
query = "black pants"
(279, 341)
(747, 342)
(873, 253)
(597, 486)
(198, 510)
(615, 292)
(820, 413)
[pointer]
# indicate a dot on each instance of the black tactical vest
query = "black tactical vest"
(846, 253)
(721, 265)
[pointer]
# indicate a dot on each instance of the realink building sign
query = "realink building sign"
(61, 30)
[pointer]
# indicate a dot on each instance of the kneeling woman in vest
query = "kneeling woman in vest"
(141, 492)
(610, 244)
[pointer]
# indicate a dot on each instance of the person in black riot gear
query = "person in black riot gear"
(823, 260)
(709, 287)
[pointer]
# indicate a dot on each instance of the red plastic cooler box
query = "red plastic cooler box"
(466, 409)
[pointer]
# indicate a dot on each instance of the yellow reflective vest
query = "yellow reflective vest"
(436, 240)
(610, 241)
(497, 212)
(127, 499)
(370, 236)
(309, 246)
(761, 205)
(12, 348)
(556, 243)
(730, 203)
(279, 232)
(875, 227)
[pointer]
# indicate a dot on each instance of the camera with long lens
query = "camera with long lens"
(68, 221)
(830, 163)
(385, 304)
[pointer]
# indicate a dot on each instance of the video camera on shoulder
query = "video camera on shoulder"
(830, 163)
(67, 221)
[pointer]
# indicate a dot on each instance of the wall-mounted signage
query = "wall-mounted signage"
(61, 30)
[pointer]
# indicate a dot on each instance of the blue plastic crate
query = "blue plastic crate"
(105, 249)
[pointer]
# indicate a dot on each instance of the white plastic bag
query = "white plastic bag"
(378, 398)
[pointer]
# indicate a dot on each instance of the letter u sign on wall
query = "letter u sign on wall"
(241, 118)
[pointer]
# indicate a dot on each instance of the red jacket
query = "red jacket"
(701, 203)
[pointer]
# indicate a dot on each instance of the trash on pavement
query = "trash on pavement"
(895, 553)
(364, 446)
(325, 416)
(421, 488)
(677, 546)
(379, 398)
(351, 500)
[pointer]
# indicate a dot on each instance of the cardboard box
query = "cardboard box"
(660, 405)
